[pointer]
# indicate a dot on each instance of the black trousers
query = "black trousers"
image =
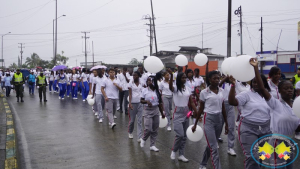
(42, 91)
(19, 90)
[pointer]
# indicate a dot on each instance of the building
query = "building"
(168, 57)
(90, 64)
(287, 61)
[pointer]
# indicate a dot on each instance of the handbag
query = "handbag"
(74, 84)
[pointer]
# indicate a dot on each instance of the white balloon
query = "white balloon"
(225, 67)
(91, 102)
(163, 122)
(153, 64)
(241, 69)
(296, 106)
(200, 59)
(196, 136)
(89, 97)
(181, 60)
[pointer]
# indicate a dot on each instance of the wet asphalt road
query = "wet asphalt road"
(63, 134)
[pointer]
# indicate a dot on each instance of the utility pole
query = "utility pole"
(238, 12)
(21, 51)
(55, 51)
(261, 44)
(93, 53)
(151, 33)
(53, 39)
(85, 52)
(229, 29)
(154, 28)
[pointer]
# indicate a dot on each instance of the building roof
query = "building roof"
(189, 48)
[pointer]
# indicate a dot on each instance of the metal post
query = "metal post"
(154, 28)
(55, 53)
(229, 29)
(241, 25)
(53, 40)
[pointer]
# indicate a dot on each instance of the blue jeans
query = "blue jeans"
(62, 89)
(68, 89)
(31, 88)
(50, 85)
(54, 86)
(74, 89)
(85, 88)
(8, 88)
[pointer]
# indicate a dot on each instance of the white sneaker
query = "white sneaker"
(202, 167)
(297, 135)
(98, 117)
(142, 144)
(63, 98)
(139, 140)
(76, 98)
(113, 125)
(96, 114)
(169, 128)
(68, 96)
(115, 117)
(84, 100)
(130, 136)
(100, 120)
(183, 159)
(109, 123)
(231, 152)
(59, 97)
(153, 148)
(173, 155)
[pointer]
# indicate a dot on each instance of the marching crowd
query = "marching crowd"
(256, 108)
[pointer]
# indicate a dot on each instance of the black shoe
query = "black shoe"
(121, 111)
(22, 100)
(18, 100)
(45, 100)
(220, 140)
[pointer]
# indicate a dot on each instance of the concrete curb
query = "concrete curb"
(11, 150)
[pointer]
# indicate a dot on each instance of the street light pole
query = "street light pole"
(54, 47)
(55, 52)
(2, 48)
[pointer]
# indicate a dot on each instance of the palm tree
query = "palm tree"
(13, 66)
(33, 60)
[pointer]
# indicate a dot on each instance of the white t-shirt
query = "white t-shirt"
(226, 87)
(98, 81)
(74, 77)
(136, 92)
(213, 102)
(164, 87)
(253, 107)
(112, 92)
(123, 82)
(191, 85)
(199, 80)
(297, 85)
(274, 90)
(144, 78)
(181, 99)
(51, 77)
(84, 77)
(63, 78)
(150, 95)
(283, 121)
(239, 87)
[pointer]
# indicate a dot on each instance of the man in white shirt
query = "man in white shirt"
(124, 79)
(143, 74)
(110, 90)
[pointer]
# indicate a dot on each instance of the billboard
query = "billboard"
(266, 56)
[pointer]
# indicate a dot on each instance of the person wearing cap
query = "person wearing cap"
(18, 81)
(296, 78)
(41, 82)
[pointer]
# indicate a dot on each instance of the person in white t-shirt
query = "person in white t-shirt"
(167, 96)
(99, 105)
(110, 90)
(135, 106)
(51, 80)
(144, 75)
(124, 79)
(74, 78)
(69, 74)
(182, 100)
(84, 84)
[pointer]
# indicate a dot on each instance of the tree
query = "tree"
(59, 59)
(134, 61)
(13, 66)
(33, 61)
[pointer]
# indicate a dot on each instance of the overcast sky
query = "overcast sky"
(119, 33)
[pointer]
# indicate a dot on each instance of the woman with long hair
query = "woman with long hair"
(51, 80)
(182, 98)
(152, 100)
(74, 78)
(212, 105)
(84, 84)
(62, 83)
(99, 98)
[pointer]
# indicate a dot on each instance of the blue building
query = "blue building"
(287, 61)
